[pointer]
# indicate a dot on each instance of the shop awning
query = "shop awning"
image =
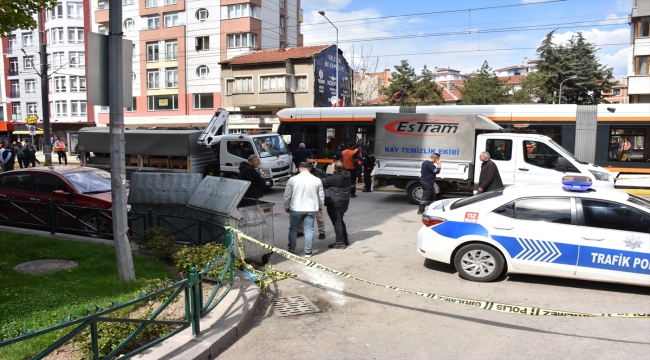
(21, 129)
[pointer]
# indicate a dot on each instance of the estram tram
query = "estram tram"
(323, 129)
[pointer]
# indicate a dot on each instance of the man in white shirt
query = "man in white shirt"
(303, 198)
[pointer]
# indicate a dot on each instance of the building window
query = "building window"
(58, 59)
(57, 11)
(16, 113)
(203, 101)
(170, 2)
(79, 108)
(75, 10)
(13, 46)
(282, 25)
(153, 79)
(201, 14)
(75, 35)
(13, 67)
(32, 109)
(77, 83)
(281, 4)
(28, 62)
(151, 3)
(171, 50)
(102, 30)
(171, 78)
(273, 83)
(102, 5)
(241, 40)
(152, 51)
(171, 20)
(30, 86)
(616, 92)
(58, 84)
(202, 71)
(243, 85)
(77, 59)
(28, 39)
(55, 36)
(153, 22)
(642, 65)
(240, 10)
(202, 43)
(230, 86)
(129, 24)
(162, 102)
(301, 83)
(133, 107)
(61, 108)
(15, 89)
(133, 77)
(643, 29)
(129, 2)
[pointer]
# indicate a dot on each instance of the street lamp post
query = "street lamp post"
(337, 56)
(559, 100)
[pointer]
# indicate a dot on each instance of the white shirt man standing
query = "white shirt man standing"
(303, 198)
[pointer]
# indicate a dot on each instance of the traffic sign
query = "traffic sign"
(32, 130)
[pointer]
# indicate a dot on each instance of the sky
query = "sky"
(462, 34)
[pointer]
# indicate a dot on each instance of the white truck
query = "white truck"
(405, 140)
(233, 149)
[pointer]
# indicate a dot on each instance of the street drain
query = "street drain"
(293, 305)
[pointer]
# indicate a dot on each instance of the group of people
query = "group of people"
(25, 155)
(620, 150)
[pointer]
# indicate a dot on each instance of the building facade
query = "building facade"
(638, 81)
(177, 48)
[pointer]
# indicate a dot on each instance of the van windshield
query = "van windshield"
(271, 145)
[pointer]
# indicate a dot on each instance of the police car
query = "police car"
(565, 230)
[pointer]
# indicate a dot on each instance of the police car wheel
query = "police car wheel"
(478, 262)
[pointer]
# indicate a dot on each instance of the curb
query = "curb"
(636, 191)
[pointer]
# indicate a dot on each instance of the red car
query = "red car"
(79, 196)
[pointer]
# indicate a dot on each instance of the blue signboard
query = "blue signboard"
(325, 75)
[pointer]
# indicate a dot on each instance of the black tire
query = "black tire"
(478, 262)
(414, 193)
(94, 221)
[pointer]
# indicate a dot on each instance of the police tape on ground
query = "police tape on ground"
(480, 304)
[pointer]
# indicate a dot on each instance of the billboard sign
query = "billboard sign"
(325, 79)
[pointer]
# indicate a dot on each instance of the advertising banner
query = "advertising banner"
(325, 75)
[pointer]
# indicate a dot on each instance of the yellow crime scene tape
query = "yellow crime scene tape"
(479, 304)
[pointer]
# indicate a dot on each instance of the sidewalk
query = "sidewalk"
(219, 329)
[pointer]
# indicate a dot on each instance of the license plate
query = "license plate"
(283, 179)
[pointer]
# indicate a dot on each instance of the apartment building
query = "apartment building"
(368, 87)
(618, 95)
(638, 85)
(64, 28)
(177, 48)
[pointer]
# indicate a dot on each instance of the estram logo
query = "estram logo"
(424, 127)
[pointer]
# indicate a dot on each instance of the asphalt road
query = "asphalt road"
(360, 321)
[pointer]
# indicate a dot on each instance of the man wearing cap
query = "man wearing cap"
(303, 198)
(320, 220)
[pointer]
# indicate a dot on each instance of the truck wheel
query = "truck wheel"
(414, 193)
(478, 262)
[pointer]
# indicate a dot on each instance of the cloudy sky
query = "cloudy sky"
(461, 34)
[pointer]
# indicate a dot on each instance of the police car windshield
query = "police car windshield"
(637, 200)
(475, 199)
(272, 145)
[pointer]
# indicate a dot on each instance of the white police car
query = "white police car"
(568, 231)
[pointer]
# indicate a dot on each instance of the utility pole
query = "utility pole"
(118, 167)
(45, 98)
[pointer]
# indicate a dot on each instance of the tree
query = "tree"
(427, 92)
(365, 87)
(20, 14)
(577, 57)
(485, 88)
(402, 86)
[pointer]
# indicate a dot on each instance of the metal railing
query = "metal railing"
(89, 318)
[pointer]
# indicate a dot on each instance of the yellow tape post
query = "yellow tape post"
(479, 304)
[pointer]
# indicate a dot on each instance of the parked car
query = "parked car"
(568, 230)
(80, 196)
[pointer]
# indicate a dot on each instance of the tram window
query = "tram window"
(285, 131)
(335, 135)
(309, 136)
(628, 144)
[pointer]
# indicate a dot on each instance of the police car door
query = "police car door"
(615, 242)
(538, 234)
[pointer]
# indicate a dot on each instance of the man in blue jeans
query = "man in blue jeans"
(303, 198)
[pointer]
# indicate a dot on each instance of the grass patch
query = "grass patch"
(37, 301)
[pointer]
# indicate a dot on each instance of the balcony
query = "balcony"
(14, 94)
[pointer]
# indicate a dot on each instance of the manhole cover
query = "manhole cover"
(48, 266)
(293, 305)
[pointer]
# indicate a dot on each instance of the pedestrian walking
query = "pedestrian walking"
(301, 154)
(59, 146)
(350, 158)
(30, 156)
(430, 168)
(320, 219)
(490, 179)
(337, 200)
(20, 154)
(8, 158)
(369, 161)
(303, 198)
(248, 172)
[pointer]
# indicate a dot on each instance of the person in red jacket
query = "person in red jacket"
(350, 158)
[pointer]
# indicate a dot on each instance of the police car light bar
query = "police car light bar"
(576, 183)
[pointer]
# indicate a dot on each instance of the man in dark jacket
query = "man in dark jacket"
(337, 200)
(368, 165)
(430, 168)
(248, 172)
(338, 154)
(301, 154)
(489, 178)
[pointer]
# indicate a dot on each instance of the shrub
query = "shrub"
(199, 257)
(162, 246)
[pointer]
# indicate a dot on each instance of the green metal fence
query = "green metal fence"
(195, 307)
